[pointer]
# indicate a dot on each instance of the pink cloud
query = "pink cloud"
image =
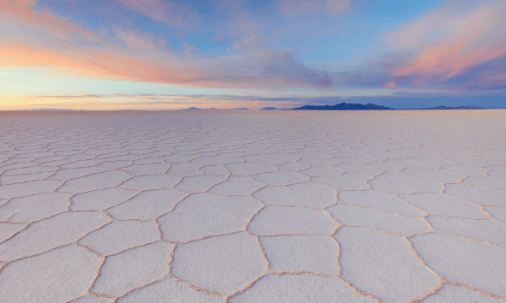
(477, 38)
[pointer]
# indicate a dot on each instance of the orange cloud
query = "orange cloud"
(93, 64)
(478, 39)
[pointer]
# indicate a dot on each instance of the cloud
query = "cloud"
(470, 40)
(293, 8)
(23, 10)
(168, 12)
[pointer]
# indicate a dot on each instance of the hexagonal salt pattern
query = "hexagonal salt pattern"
(250, 207)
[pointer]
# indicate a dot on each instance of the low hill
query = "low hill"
(344, 106)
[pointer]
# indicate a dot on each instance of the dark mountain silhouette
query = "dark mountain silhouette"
(442, 107)
(269, 108)
(344, 106)
(194, 108)
(242, 108)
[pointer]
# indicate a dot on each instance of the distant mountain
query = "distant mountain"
(242, 108)
(52, 109)
(269, 108)
(442, 107)
(344, 106)
(193, 108)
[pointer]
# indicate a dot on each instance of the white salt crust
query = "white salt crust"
(223, 206)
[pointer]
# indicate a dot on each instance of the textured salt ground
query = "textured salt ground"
(401, 206)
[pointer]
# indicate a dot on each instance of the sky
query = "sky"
(225, 54)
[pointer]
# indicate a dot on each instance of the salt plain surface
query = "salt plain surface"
(286, 206)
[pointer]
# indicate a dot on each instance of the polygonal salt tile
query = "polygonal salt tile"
(29, 170)
(434, 175)
(385, 167)
(483, 230)
(274, 220)
(311, 155)
(357, 176)
(241, 186)
(7, 230)
(179, 158)
(147, 169)
(47, 234)
(488, 182)
(67, 174)
(121, 235)
(497, 168)
(495, 174)
(412, 164)
(498, 213)
(419, 184)
(463, 261)
(101, 199)
(443, 205)
(94, 182)
(322, 171)
(473, 162)
(360, 169)
(151, 182)
(169, 290)
(116, 164)
(228, 155)
(299, 288)
(280, 178)
(367, 217)
(34, 208)
(379, 200)
(199, 183)
(210, 203)
(215, 170)
(123, 158)
(426, 157)
(60, 275)
(149, 161)
(383, 265)
(304, 194)
(270, 158)
(229, 264)
(391, 187)
(5, 180)
(177, 227)
(247, 169)
(133, 268)
(341, 183)
(314, 254)
(148, 205)
(185, 169)
(450, 293)
(215, 161)
(92, 299)
(465, 170)
(29, 188)
(476, 194)
(318, 162)
(292, 166)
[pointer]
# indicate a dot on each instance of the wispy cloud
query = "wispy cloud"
(467, 40)
(293, 8)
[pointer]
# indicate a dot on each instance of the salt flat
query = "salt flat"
(267, 206)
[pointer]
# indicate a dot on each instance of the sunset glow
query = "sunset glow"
(160, 54)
